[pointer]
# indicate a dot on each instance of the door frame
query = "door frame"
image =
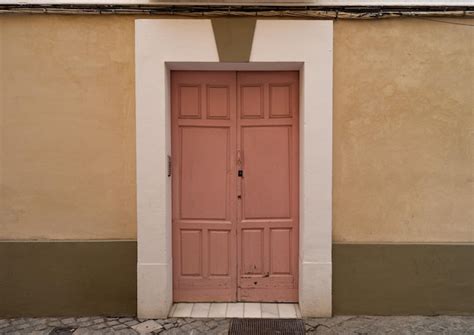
(301, 45)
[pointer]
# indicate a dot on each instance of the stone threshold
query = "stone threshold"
(235, 310)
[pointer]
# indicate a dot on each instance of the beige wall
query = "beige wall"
(68, 131)
(403, 147)
(403, 131)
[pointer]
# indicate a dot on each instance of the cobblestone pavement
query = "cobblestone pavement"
(360, 325)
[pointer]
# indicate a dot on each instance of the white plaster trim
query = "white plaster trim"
(158, 41)
(162, 45)
(309, 42)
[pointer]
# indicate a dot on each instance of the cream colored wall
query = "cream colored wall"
(403, 147)
(403, 131)
(68, 132)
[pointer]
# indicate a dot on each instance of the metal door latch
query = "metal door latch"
(169, 166)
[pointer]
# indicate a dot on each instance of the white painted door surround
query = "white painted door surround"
(164, 45)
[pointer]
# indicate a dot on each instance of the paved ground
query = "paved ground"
(357, 325)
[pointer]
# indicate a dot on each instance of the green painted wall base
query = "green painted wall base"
(81, 278)
(68, 278)
(403, 279)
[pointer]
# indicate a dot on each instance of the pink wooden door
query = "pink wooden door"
(204, 217)
(267, 219)
(235, 186)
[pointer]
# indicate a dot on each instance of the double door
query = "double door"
(235, 185)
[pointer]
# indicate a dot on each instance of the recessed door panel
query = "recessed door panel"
(280, 101)
(251, 102)
(205, 156)
(191, 252)
(235, 185)
(218, 102)
(219, 253)
(189, 101)
(280, 251)
(252, 251)
(267, 179)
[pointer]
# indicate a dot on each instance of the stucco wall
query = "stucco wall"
(403, 151)
(403, 131)
(68, 131)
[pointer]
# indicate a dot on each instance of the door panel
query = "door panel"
(251, 100)
(204, 218)
(191, 252)
(219, 252)
(280, 251)
(205, 154)
(235, 236)
(267, 180)
(268, 206)
(252, 261)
